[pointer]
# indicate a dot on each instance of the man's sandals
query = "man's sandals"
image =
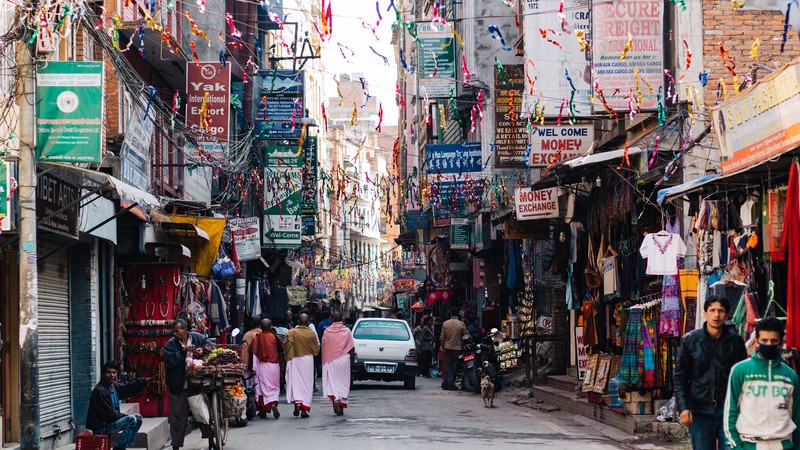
(337, 407)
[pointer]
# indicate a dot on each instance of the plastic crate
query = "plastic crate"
(89, 441)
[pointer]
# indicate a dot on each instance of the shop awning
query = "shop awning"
(184, 230)
(572, 170)
(599, 158)
(294, 264)
(686, 187)
(95, 179)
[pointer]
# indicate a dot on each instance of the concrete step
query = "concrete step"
(129, 408)
(569, 403)
(153, 435)
(563, 382)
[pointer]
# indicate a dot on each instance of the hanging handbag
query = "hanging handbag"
(223, 267)
(591, 274)
(609, 270)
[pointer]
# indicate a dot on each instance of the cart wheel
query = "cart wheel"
(219, 426)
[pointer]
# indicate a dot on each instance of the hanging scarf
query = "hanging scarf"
(629, 368)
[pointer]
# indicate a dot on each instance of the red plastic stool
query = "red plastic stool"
(89, 441)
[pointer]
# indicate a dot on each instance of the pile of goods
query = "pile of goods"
(223, 357)
(234, 402)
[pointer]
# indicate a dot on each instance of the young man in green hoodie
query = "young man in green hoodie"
(762, 408)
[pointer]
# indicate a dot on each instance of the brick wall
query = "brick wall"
(738, 29)
(84, 324)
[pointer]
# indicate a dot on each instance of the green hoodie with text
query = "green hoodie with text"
(763, 403)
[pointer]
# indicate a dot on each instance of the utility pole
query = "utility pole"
(30, 432)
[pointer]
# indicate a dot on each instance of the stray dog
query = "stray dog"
(487, 392)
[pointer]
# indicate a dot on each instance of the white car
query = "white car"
(385, 351)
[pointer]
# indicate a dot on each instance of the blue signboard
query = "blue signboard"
(453, 158)
(417, 220)
(281, 104)
(454, 178)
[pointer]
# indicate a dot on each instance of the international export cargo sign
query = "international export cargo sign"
(209, 84)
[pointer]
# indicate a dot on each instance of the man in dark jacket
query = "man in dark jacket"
(178, 351)
(104, 416)
(705, 359)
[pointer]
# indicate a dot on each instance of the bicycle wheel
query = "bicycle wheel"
(216, 421)
(222, 433)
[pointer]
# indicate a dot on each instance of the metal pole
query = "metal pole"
(30, 432)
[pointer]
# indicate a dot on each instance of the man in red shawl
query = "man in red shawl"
(267, 351)
(337, 352)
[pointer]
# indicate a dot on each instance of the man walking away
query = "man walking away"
(450, 338)
(423, 340)
(705, 359)
(301, 346)
(762, 409)
(104, 416)
(338, 349)
(267, 351)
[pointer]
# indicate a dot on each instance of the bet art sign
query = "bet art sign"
(532, 205)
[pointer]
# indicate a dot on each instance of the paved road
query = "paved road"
(384, 416)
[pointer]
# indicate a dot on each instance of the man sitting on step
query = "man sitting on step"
(104, 416)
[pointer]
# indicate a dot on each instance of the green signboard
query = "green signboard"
(437, 59)
(459, 234)
(69, 111)
(3, 191)
(283, 186)
(310, 176)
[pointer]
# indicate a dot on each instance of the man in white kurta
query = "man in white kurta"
(337, 351)
(301, 346)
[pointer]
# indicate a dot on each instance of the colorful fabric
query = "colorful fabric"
(336, 378)
(688, 282)
(336, 342)
(648, 357)
(300, 381)
(670, 321)
(790, 242)
(629, 370)
(268, 386)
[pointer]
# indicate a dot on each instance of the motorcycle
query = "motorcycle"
(470, 379)
(488, 363)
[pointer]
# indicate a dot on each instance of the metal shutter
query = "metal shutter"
(55, 399)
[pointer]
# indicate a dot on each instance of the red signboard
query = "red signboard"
(404, 284)
(210, 123)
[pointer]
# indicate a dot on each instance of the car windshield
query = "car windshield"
(386, 330)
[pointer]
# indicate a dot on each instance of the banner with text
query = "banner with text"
(69, 111)
(135, 149)
(5, 195)
(310, 176)
(511, 134)
(247, 233)
(613, 24)
(208, 106)
(552, 60)
(437, 60)
(761, 122)
(454, 176)
(551, 144)
(282, 103)
(283, 185)
(541, 204)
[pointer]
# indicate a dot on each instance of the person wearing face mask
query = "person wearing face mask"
(762, 408)
(705, 359)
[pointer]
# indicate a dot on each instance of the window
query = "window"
(385, 330)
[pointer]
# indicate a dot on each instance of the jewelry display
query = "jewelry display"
(149, 313)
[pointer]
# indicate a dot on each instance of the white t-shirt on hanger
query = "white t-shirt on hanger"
(662, 251)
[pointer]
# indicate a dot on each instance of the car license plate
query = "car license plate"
(380, 368)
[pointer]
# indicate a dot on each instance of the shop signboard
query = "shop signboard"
(282, 103)
(614, 24)
(761, 122)
(309, 176)
(526, 229)
(454, 176)
(416, 220)
(135, 148)
(403, 284)
(308, 225)
(459, 234)
(6, 188)
(550, 144)
(197, 180)
(53, 194)
(209, 83)
(247, 233)
(532, 205)
(437, 60)
(552, 62)
(511, 134)
(283, 183)
(581, 352)
(69, 115)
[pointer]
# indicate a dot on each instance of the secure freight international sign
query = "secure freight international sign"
(761, 122)
(69, 110)
(283, 184)
(530, 205)
(247, 233)
(209, 83)
(614, 23)
(437, 60)
(281, 106)
(551, 144)
(511, 135)
(551, 60)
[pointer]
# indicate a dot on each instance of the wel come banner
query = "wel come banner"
(69, 111)
(283, 197)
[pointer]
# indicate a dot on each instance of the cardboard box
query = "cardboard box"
(638, 404)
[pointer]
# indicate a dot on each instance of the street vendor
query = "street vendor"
(104, 416)
(179, 352)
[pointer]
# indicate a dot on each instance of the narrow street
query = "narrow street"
(384, 416)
